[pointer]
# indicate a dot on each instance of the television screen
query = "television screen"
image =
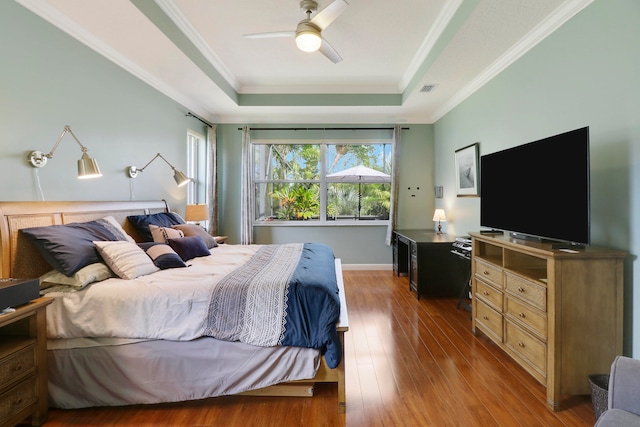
(539, 189)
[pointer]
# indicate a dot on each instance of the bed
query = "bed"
(96, 358)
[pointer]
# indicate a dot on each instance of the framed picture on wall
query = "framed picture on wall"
(467, 162)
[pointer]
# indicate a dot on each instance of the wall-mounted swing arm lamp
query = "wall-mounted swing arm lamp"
(181, 178)
(87, 166)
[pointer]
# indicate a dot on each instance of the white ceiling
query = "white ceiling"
(194, 52)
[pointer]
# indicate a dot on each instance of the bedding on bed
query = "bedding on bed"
(176, 304)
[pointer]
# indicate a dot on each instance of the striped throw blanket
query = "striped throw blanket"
(285, 295)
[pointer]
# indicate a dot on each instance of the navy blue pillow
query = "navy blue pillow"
(162, 255)
(69, 247)
(162, 219)
(189, 247)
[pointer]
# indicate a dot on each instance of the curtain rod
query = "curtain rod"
(190, 114)
(324, 128)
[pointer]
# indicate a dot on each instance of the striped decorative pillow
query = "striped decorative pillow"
(126, 259)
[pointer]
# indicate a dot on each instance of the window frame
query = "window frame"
(322, 182)
(197, 168)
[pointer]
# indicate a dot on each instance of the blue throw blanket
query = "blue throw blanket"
(284, 295)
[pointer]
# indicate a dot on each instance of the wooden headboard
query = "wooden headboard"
(20, 259)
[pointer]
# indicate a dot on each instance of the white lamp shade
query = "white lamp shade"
(308, 42)
(308, 37)
(439, 215)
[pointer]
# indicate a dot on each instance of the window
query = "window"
(196, 167)
(323, 182)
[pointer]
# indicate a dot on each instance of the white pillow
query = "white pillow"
(115, 227)
(86, 275)
(163, 234)
(126, 259)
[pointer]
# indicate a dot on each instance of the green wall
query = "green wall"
(49, 80)
(585, 74)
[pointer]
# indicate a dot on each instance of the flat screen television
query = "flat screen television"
(540, 189)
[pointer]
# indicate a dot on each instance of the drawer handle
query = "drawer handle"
(486, 273)
(485, 317)
(17, 368)
(485, 293)
(521, 344)
(521, 314)
(522, 290)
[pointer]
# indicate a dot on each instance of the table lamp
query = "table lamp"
(197, 213)
(439, 215)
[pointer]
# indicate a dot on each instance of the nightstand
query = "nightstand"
(23, 364)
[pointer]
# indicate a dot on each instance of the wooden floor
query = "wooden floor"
(408, 363)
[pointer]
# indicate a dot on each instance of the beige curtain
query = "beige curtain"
(395, 173)
(246, 205)
(212, 147)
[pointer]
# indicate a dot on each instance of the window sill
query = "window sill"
(316, 223)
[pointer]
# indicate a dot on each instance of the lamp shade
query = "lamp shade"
(88, 167)
(308, 42)
(197, 213)
(181, 178)
(439, 215)
(308, 37)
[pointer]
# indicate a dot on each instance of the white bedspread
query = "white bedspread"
(170, 304)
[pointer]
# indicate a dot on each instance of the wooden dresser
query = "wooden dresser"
(558, 314)
(23, 364)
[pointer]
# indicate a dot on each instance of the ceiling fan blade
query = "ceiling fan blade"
(270, 35)
(327, 15)
(327, 50)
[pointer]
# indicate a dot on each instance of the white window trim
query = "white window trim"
(322, 221)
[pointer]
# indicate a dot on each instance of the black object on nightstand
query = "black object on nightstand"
(15, 292)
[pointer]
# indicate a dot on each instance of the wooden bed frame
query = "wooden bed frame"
(19, 259)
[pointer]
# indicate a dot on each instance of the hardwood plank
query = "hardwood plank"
(408, 362)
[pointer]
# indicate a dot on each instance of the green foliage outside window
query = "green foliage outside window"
(288, 181)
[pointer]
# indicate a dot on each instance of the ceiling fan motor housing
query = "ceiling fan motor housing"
(308, 6)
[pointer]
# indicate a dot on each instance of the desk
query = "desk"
(426, 257)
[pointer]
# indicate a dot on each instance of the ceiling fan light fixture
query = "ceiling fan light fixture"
(308, 37)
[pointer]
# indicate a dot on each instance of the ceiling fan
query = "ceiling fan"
(308, 34)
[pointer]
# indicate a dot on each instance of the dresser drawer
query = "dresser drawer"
(489, 272)
(19, 397)
(525, 315)
(529, 349)
(526, 289)
(489, 320)
(489, 294)
(19, 363)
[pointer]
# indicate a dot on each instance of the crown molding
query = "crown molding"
(182, 22)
